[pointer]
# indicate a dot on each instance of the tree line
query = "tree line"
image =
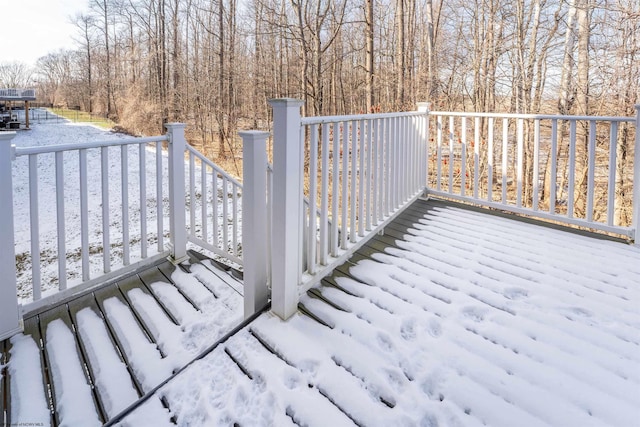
(215, 63)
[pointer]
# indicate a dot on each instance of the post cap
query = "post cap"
(254, 136)
(7, 136)
(423, 106)
(175, 125)
(286, 102)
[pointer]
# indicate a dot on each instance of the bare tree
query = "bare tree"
(15, 75)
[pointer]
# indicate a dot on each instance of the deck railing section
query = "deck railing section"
(358, 170)
(17, 93)
(572, 169)
(121, 221)
(105, 209)
(336, 181)
(214, 208)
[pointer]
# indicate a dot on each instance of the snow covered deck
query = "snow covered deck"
(84, 361)
(454, 316)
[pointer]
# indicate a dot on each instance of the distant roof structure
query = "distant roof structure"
(17, 94)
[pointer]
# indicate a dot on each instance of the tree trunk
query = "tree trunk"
(370, 100)
(582, 104)
(400, 54)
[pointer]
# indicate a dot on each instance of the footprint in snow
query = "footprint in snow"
(385, 342)
(434, 328)
(292, 381)
(515, 293)
(432, 385)
(429, 420)
(474, 313)
(408, 329)
(575, 312)
(579, 311)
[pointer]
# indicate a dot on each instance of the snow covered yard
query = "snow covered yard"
(453, 318)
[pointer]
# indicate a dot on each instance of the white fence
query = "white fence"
(215, 214)
(29, 94)
(571, 169)
(338, 180)
(355, 172)
(105, 232)
(335, 182)
(114, 207)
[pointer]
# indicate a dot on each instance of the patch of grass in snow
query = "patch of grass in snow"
(84, 117)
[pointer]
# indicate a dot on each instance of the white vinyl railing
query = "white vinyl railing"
(336, 181)
(571, 169)
(18, 93)
(358, 171)
(99, 210)
(112, 220)
(215, 214)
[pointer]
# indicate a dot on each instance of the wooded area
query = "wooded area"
(214, 63)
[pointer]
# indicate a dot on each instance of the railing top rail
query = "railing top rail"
(17, 93)
(336, 119)
(215, 167)
(25, 151)
(531, 116)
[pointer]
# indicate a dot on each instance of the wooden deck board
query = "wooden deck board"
(230, 276)
(155, 275)
(89, 302)
(100, 297)
(62, 313)
(32, 328)
(128, 285)
(167, 269)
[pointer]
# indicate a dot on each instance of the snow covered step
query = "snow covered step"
(134, 286)
(113, 378)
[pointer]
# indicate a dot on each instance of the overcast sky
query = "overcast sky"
(32, 28)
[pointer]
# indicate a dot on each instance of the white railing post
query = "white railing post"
(254, 221)
(10, 316)
(177, 201)
(287, 215)
(424, 107)
(636, 180)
